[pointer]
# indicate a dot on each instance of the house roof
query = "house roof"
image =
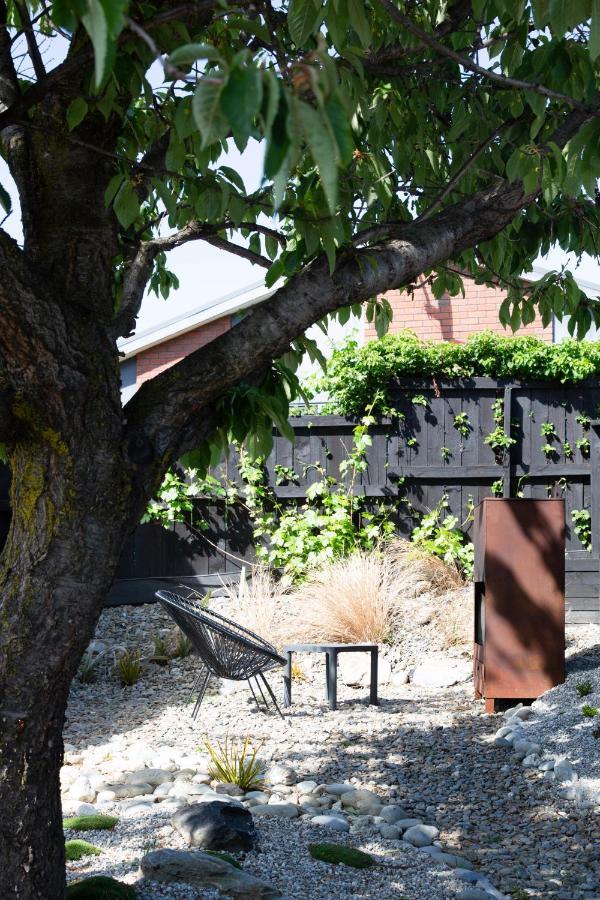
(191, 319)
(237, 301)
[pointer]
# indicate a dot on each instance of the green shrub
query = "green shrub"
(77, 849)
(356, 375)
(96, 822)
(337, 853)
(589, 711)
(100, 887)
(235, 763)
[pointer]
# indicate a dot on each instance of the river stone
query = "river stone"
(366, 802)
(203, 871)
(216, 826)
(336, 790)
(282, 810)
(335, 822)
(441, 671)
(564, 771)
(126, 791)
(420, 835)
(279, 774)
(148, 776)
(389, 832)
(392, 814)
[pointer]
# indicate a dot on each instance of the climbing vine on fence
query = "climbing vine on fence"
(360, 376)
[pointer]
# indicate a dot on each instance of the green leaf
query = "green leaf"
(76, 112)
(303, 18)
(127, 205)
(240, 101)
(94, 22)
(278, 143)
(340, 125)
(5, 201)
(206, 106)
(594, 43)
(189, 53)
(359, 21)
(323, 147)
(3, 454)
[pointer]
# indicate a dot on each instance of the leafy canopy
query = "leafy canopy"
(372, 115)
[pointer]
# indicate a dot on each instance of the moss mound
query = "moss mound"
(222, 854)
(78, 849)
(100, 887)
(337, 853)
(98, 822)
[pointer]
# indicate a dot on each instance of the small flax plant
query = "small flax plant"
(584, 688)
(235, 762)
(88, 668)
(180, 645)
(129, 667)
(590, 712)
(161, 650)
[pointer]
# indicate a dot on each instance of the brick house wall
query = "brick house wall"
(452, 318)
(158, 358)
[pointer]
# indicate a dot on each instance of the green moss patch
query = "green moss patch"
(337, 853)
(98, 822)
(222, 854)
(77, 849)
(100, 887)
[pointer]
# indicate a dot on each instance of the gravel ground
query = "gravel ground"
(427, 749)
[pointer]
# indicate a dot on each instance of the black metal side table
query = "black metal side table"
(331, 652)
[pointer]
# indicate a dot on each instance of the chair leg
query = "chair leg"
(258, 706)
(261, 692)
(273, 698)
(201, 674)
(201, 694)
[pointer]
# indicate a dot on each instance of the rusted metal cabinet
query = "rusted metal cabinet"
(519, 617)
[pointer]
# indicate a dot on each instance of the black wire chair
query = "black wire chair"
(226, 649)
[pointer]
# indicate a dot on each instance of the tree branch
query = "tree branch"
(9, 83)
(167, 412)
(430, 41)
(32, 46)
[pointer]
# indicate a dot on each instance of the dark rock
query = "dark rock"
(203, 870)
(216, 826)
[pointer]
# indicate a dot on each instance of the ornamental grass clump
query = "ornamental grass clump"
(262, 604)
(235, 762)
(129, 667)
(349, 600)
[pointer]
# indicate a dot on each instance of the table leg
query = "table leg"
(332, 678)
(374, 674)
(327, 670)
(287, 680)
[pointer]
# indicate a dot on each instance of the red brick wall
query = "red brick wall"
(452, 318)
(156, 359)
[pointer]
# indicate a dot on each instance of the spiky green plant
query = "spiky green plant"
(584, 688)
(88, 668)
(161, 650)
(129, 666)
(235, 762)
(590, 712)
(181, 646)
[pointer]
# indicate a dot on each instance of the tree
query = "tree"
(401, 139)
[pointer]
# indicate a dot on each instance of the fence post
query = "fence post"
(507, 457)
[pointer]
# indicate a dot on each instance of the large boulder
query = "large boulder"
(203, 871)
(216, 826)
(442, 671)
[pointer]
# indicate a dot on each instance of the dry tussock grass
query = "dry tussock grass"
(454, 617)
(349, 600)
(261, 604)
(420, 573)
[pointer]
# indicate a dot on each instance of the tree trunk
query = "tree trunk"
(70, 501)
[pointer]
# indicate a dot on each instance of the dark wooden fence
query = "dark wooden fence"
(414, 460)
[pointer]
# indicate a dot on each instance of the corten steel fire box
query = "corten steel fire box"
(519, 649)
